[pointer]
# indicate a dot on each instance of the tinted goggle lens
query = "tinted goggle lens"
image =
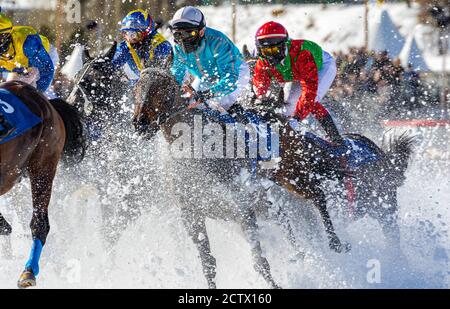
(132, 35)
(185, 35)
(270, 50)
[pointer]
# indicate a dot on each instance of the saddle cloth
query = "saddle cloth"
(360, 153)
(17, 114)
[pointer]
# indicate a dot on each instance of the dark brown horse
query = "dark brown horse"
(36, 154)
(372, 188)
(159, 106)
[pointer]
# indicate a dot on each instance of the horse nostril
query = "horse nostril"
(142, 125)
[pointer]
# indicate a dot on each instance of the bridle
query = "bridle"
(166, 116)
(87, 106)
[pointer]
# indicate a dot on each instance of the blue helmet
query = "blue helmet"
(138, 20)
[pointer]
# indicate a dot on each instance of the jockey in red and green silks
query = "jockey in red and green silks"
(310, 69)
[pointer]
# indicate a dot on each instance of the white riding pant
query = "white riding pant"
(30, 78)
(224, 103)
(293, 90)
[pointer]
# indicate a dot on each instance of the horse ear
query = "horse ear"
(112, 50)
(158, 24)
(246, 53)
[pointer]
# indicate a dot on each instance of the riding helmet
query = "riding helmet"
(186, 25)
(271, 39)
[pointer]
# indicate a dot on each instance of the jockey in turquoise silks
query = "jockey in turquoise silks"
(207, 64)
(26, 56)
(142, 46)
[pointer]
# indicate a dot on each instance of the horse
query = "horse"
(88, 91)
(35, 153)
(97, 91)
(160, 107)
(372, 189)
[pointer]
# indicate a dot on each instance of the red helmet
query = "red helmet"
(271, 40)
(271, 33)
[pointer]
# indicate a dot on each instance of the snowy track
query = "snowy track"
(154, 251)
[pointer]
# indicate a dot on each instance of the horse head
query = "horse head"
(96, 82)
(156, 101)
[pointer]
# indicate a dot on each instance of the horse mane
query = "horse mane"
(160, 84)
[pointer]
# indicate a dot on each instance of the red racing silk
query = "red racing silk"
(302, 64)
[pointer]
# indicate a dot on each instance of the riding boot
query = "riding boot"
(7, 128)
(331, 130)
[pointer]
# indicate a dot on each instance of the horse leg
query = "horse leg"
(6, 230)
(387, 217)
(41, 188)
(288, 231)
(334, 242)
(261, 265)
(196, 228)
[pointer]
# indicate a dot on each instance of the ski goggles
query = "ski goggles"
(270, 50)
(131, 35)
(185, 35)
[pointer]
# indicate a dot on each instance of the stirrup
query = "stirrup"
(6, 133)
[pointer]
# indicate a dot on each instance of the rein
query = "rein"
(164, 118)
(78, 88)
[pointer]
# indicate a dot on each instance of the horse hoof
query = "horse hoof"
(339, 247)
(26, 280)
(276, 286)
(298, 257)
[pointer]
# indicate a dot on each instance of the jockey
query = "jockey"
(143, 46)
(219, 71)
(26, 56)
(311, 69)
(26, 53)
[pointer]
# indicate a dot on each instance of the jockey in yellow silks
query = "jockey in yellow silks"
(25, 54)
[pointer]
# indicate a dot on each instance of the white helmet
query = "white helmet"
(187, 18)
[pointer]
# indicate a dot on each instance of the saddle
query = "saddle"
(360, 154)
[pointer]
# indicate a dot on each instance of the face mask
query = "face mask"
(189, 40)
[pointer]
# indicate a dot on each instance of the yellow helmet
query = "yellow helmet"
(5, 23)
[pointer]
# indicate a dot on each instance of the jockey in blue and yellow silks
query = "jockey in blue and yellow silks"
(143, 46)
(25, 53)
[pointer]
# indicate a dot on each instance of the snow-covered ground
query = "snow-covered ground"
(155, 250)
